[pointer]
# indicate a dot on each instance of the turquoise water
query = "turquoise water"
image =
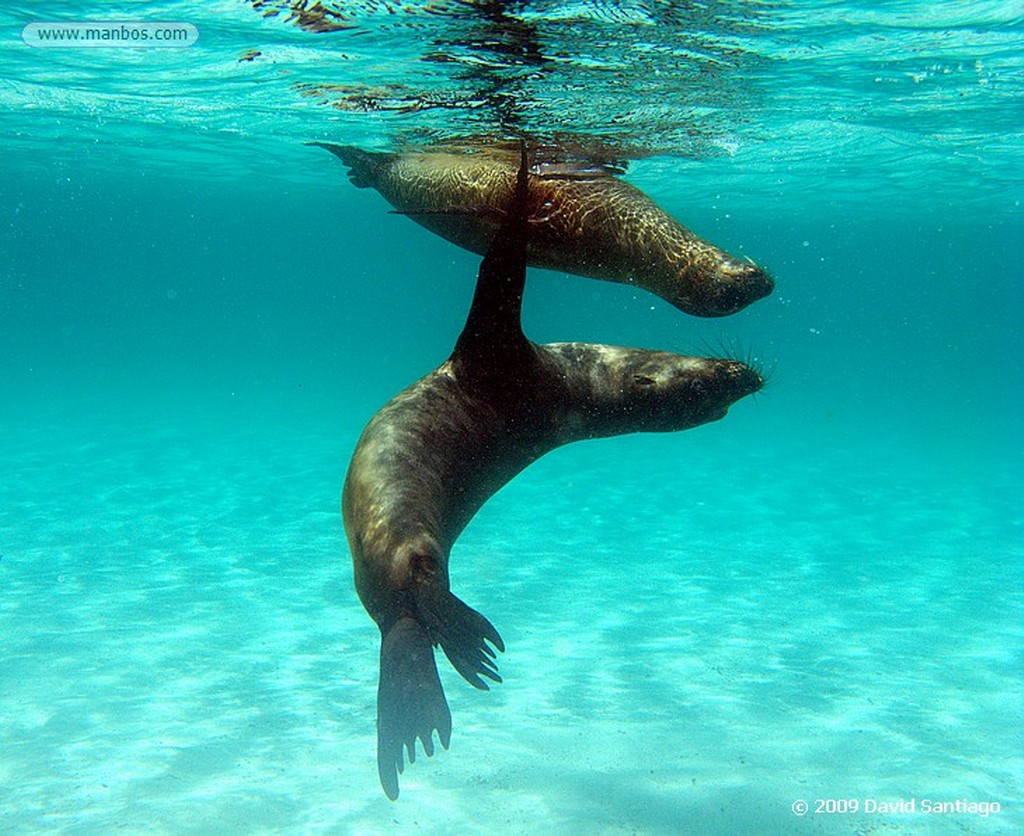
(818, 597)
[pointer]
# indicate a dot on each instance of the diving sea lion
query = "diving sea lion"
(586, 222)
(431, 457)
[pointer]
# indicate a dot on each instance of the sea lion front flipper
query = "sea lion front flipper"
(492, 341)
(575, 171)
(475, 211)
(410, 701)
(462, 632)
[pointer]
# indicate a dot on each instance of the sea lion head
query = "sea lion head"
(676, 392)
(618, 390)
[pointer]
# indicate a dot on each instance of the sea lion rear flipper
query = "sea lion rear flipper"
(410, 701)
(463, 634)
(363, 166)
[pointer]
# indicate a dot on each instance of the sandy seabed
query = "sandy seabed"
(698, 639)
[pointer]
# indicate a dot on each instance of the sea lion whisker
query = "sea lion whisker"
(767, 370)
(732, 348)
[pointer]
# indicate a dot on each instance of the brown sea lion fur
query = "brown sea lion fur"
(584, 221)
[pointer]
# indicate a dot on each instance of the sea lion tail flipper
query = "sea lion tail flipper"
(410, 701)
(463, 634)
(363, 166)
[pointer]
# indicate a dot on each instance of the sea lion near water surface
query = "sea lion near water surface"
(585, 221)
(430, 458)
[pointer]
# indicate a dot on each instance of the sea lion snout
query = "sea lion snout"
(718, 384)
(737, 380)
(669, 392)
(734, 286)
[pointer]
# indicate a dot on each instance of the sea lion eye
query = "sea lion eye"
(643, 380)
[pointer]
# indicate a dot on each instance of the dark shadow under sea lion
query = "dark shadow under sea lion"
(432, 456)
(586, 221)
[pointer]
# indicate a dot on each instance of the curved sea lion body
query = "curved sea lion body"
(585, 221)
(432, 456)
